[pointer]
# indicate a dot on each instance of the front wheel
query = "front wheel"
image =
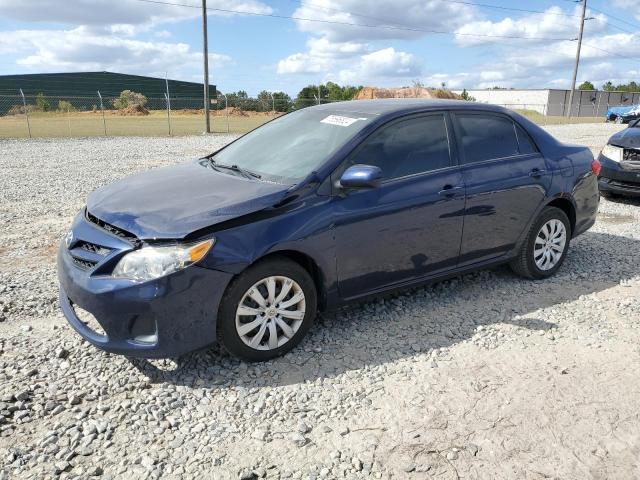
(267, 310)
(546, 245)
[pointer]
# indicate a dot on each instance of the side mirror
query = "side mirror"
(361, 176)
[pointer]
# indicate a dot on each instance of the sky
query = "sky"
(384, 43)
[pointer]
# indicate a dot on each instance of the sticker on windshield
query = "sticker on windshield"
(340, 120)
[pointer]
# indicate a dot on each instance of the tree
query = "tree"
(65, 106)
(281, 102)
(241, 100)
(41, 103)
(329, 92)
(129, 98)
(586, 85)
(624, 87)
(465, 96)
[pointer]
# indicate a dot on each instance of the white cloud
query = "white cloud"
(323, 47)
(453, 81)
(558, 54)
(551, 24)
(347, 52)
(419, 15)
(303, 63)
(550, 66)
(109, 12)
(631, 5)
(82, 49)
(162, 34)
(380, 65)
(320, 57)
(602, 72)
(101, 35)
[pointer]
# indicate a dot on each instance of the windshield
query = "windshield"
(289, 148)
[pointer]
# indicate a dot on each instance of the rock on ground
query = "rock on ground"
(482, 376)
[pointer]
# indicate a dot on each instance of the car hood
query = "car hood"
(627, 138)
(172, 202)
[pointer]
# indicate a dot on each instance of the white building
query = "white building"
(586, 103)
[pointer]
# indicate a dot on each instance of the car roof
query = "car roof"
(403, 105)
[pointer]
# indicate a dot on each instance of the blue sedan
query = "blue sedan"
(320, 207)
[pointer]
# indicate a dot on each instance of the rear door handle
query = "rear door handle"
(535, 173)
(450, 191)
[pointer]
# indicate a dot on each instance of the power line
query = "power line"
(611, 53)
(386, 20)
(335, 22)
(460, 2)
(616, 18)
(609, 15)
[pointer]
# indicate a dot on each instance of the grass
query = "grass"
(540, 119)
(89, 124)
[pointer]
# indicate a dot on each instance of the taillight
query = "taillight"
(596, 166)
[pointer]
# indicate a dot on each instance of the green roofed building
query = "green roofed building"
(80, 85)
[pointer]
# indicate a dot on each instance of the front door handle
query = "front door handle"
(536, 172)
(449, 191)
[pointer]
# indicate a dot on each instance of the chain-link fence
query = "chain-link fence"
(69, 116)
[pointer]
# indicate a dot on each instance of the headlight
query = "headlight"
(613, 153)
(154, 262)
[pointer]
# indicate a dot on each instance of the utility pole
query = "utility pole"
(575, 67)
(205, 39)
(168, 101)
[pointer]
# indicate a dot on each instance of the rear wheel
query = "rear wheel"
(546, 245)
(267, 310)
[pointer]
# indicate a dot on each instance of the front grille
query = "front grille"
(93, 248)
(83, 264)
(632, 157)
(114, 230)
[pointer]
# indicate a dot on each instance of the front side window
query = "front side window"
(406, 147)
(486, 137)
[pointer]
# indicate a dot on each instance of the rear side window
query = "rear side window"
(524, 141)
(486, 137)
(407, 147)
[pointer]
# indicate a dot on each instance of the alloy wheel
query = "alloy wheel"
(548, 248)
(270, 313)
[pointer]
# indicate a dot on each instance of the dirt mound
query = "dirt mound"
(189, 111)
(133, 110)
(370, 93)
(238, 112)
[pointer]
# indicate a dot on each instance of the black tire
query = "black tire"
(524, 264)
(228, 336)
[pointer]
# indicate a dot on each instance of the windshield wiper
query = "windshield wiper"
(234, 168)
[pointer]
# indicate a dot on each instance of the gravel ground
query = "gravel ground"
(482, 376)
